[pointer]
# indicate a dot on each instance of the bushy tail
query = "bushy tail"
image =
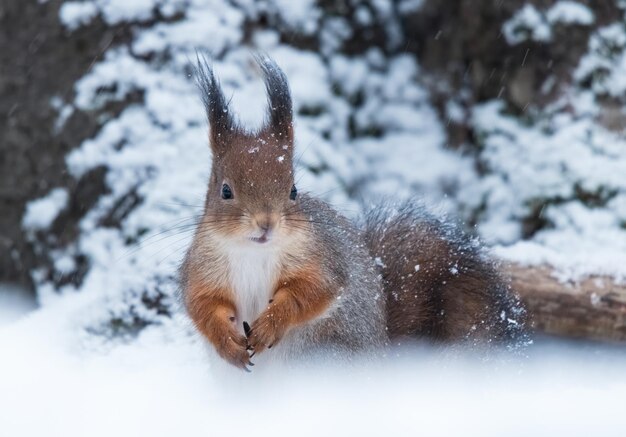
(438, 283)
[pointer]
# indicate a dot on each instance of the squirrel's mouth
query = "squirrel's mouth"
(262, 239)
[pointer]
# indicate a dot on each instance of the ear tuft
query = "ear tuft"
(218, 113)
(280, 115)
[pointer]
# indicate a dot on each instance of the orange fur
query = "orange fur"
(214, 314)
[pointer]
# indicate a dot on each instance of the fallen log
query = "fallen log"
(593, 308)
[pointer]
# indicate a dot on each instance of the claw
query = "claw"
(252, 354)
(246, 329)
(270, 346)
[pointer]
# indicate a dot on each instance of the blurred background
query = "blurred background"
(507, 116)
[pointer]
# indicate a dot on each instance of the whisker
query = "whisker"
(330, 224)
(190, 205)
(179, 230)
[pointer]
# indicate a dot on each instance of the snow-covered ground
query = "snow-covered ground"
(162, 384)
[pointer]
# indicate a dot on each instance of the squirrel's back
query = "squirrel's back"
(437, 281)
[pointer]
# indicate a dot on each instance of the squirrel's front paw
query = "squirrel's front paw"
(233, 347)
(265, 332)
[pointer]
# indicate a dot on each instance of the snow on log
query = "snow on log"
(593, 308)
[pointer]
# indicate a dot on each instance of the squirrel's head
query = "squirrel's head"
(251, 194)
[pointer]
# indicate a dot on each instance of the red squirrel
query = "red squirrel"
(272, 268)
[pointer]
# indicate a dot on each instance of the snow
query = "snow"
(583, 239)
(408, 6)
(162, 383)
(565, 166)
(605, 63)
(116, 11)
(570, 12)
(210, 25)
(76, 14)
(527, 23)
(301, 14)
(40, 213)
(530, 23)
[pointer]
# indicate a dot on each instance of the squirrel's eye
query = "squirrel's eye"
(227, 193)
(294, 193)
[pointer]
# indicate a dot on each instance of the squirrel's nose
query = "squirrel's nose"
(265, 222)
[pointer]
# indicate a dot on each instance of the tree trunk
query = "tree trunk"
(594, 308)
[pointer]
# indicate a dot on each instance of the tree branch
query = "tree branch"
(594, 308)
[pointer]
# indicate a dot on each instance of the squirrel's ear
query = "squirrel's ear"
(221, 121)
(280, 117)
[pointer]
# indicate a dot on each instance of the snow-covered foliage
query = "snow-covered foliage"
(562, 167)
(41, 213)
(529, 23)
(577, 190)
(570, 12)
(603, 66)
(77, 13)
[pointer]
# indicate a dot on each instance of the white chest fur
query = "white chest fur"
(253, 272)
